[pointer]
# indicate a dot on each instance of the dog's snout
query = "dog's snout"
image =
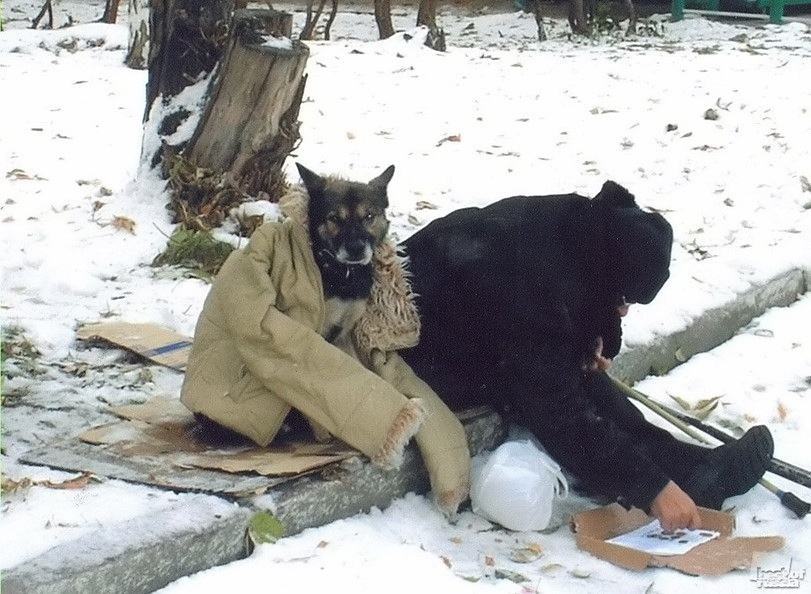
(356, 247)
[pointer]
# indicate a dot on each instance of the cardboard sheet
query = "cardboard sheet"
(163, 428)
(594, 528)
(156, 343)
(650, 538)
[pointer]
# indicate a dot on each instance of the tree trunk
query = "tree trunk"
(225, 113)
(110, 11)
(45, 8)
(138, 47)
(629, 4)
(312, 20)
(330, 20)
(426, 15)
(577, 18)
(535, 6)
(383, 17)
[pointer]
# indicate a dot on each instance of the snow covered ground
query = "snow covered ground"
(498, 114)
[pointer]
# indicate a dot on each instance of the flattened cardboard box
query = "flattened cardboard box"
(156, 343)
(716, 557)
(163, 428)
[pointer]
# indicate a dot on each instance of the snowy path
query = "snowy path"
(498, 117)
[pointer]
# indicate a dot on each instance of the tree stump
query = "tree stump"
(225, 111)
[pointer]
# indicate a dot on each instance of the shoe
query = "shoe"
(731, 469)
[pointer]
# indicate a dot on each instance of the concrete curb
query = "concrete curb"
(194, 535)
(210, 531)
(712, 328)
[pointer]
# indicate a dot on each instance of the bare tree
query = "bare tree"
(629, 6)
(110, 11)
(577, 18)
(535, 7)
(383, 18)
(45, 8)
(426, 15)
(311, 20)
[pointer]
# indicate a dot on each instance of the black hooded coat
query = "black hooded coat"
(512, 299)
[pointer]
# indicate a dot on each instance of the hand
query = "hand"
(674, 509)
(597, 362)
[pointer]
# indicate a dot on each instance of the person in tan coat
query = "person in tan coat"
(259, 350)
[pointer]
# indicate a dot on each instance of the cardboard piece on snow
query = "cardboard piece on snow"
(716, 557)
(163, 428)
(156, 343)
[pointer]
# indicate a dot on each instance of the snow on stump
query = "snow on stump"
(224, 96)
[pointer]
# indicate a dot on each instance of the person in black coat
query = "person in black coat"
(521, 306)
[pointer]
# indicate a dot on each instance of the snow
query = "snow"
(282, 43)
(496, 115)
(410, 548)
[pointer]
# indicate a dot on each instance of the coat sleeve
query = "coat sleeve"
(442, 439)
(549, 393)
(295, 363)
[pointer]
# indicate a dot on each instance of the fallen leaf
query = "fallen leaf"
(123, 224)
(513, 576)
(550, 567)
(451, 138)
(17, 173)
(79, 482)
(526, 554)
(580, 573)
(264, 528)
(446, 561)
(456, 540)
(413, 220)
(322, 544)
(806, 185)
(10, 486)
(681, 402)
(705, 402)
(782, 411)
(489, 561)
(710, 114)
(425, 205)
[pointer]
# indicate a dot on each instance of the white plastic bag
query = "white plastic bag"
(517, 486)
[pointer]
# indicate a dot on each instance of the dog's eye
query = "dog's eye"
(370, 216)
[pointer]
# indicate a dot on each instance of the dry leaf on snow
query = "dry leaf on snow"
(123, 224)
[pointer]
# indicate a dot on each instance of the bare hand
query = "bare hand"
(597, 362)
(674, 509)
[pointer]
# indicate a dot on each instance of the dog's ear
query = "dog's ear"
(382, 180)
(613, 194)
(312, 181)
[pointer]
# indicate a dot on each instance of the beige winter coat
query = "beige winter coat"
(259, 350)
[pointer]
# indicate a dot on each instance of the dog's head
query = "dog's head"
(347, 219)
(639, 244)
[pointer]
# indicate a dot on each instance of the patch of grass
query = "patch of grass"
(196, 251)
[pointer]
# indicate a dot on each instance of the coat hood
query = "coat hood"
(391, 321)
